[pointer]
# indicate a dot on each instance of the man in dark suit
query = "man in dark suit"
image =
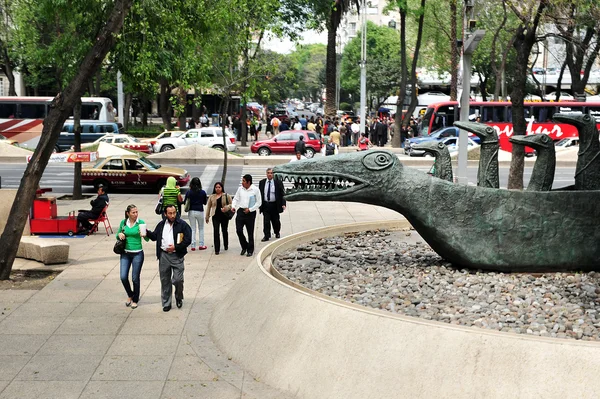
(98, 206)
(273, 203)
(382, 131)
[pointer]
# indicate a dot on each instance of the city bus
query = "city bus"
(538, 116)
(21, 118)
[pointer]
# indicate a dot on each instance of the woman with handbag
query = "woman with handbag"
(219, 209)
(131, 230)
(194, 201)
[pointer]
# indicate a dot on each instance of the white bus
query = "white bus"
(21, 118)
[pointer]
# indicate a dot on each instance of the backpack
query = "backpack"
(330, 149)
(275, 122)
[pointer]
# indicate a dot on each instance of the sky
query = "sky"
(285, 46)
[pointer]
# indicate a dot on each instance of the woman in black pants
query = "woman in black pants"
(219, 203)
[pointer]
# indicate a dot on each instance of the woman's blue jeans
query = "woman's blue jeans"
(133, 260)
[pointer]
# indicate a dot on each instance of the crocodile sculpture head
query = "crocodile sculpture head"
(542, 175)
(587, 172)
(488, 174)
(443, 161)
(356, 177)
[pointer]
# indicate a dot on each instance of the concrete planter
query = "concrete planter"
(313, 346)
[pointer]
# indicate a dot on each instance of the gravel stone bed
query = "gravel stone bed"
(398, 272)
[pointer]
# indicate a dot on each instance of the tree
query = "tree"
(524, 39)
(60, 108)
(383, 57)
(7, 63)
(308, 61)
(334, 16)
(578, 23)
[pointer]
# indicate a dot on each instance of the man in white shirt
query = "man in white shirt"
(246, 202)
(355, 127)
(172, 235)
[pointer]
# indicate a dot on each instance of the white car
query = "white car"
(207, 136)
(120, 140)
(566, 143)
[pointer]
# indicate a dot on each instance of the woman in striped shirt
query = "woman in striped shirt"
(171, 195)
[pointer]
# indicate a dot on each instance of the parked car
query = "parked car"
(284, 143)
(438, 135)
(451, 143)
(207, 136)
(120, 140)
(566, 143)
(131, 171)
(163, 135)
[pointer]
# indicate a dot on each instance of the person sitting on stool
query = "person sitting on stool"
(273, 204)
(98, 206)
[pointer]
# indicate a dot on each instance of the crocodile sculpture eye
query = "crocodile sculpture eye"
(441, 145)
(545, 139)
(587, 118)
(489, 130)
(378, 160)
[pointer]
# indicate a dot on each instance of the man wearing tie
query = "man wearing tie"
(273, 203)
(246, 201)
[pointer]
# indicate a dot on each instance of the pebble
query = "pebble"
(380, 269)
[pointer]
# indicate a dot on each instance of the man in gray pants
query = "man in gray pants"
(172, 237)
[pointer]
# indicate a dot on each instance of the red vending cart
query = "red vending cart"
(44, 220)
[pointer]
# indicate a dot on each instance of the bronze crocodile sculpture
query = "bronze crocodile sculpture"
(442, 167)
(542, 175)
(474, 227)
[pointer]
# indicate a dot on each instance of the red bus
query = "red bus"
(538, 116)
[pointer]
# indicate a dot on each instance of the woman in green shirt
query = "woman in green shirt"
(133, 258)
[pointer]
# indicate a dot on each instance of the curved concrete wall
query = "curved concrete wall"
(316, 347)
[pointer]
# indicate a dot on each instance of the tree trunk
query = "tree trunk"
(396, 140)
(165, 94)
(77, 166)
(523, 42)
(413, 71)
(454, 52)
(182, 99)
(224, 108)
(60, 108)
(144, 103)
(8, 71)
(128, 100)
(331, 69)
(559, 81)
(98, 81)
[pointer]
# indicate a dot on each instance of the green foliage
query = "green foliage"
(308, 62)
(51, 37)
(383, 62)
(345, 106)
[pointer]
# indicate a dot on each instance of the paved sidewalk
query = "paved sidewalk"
(76, 339)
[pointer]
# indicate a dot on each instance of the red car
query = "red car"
(284, 143)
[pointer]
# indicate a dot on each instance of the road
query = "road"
(60, 176)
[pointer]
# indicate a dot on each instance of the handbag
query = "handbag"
(229, 214)
(186, 204)
(119, 247)
(159, 206)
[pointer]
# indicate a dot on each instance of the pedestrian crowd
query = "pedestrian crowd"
(174, 236)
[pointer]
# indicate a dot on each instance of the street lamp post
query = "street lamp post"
(363, 67)
(470, 44)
